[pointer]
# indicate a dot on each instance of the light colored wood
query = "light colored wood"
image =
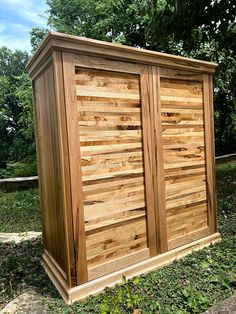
(70, 43)
(148, 161)
(75, 168)
(178, 242)
(97, 285)
(126, 160)
(65, 174)
(180, 74)
(210, 151)
(50, 172)
(184, 148)
(108, 154)
(118, 263)
(114, 220)
(36, 100)
(107, 245)
(159, 192)
(160, 164)
(56, 276)
(106, 64)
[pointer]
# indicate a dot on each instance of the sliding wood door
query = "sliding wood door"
(185, 102)
(109, 138)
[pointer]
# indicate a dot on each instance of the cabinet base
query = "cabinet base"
(97, 285)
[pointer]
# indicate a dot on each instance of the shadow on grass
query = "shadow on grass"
(20, 269)
(190, 285)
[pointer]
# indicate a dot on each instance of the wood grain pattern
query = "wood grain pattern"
(110, 130)
(65, 173)
(153, 91)
(75, 166)
(91, 47)
(97, 285)
(210, 151)
(148, 148)
(126, 160)
(184, 156)
(48, 152)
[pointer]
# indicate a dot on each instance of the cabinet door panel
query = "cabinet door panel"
(110, 130)
(184, 156)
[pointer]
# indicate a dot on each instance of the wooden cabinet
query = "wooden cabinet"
(126, 160)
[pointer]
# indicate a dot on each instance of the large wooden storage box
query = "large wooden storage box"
(126, 160)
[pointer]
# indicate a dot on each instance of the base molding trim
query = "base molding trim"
(97, 285)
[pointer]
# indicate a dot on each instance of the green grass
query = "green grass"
(19, 211)
(226, 197)
(190, 285)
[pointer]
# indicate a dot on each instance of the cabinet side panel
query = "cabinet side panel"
(48, 155)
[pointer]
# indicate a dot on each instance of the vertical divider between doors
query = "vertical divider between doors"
(75, 166)
(159, 183)
(147, 129)
(209, 151)
(153, 160)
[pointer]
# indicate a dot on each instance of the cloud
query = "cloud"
(32, 11)
(17, 18)
(13, 43)
(2, 27)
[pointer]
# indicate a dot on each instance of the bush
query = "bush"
(24, 168)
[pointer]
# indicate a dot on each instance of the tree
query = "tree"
(122, 20)
(16, 123)
(204, 29)
(36, 36)
(195, 22)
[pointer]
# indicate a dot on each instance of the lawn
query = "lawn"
(190, 285)
(19, 211)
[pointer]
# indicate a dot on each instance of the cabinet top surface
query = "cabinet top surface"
(70, 43)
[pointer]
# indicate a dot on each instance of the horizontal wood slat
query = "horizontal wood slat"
(184, 156)
(110, 128)
(126, 160)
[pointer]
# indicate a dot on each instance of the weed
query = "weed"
(189, 285)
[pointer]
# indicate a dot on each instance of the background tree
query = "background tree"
(122, 20)
(16, 122)
(36, 36)
(203, 29)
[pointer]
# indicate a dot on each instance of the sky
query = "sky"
(17, 17)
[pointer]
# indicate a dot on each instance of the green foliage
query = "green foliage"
(120, 21)
(204, 30)
(123, 299)
(200, 29)
(226, 198)
(24, 94)
(19, 211)
(24, 168)
(194, 22)
(16, 118)
(36, 36)
(20, 268)
(189, 285)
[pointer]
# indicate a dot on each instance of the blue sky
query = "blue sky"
(17, 17)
